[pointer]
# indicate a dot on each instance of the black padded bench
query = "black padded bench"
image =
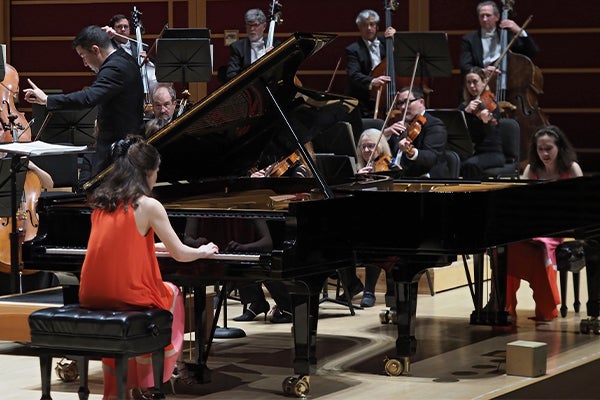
(74, 331)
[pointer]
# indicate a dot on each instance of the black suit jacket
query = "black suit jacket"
(472, 50)
(240, 57)
(119, 94)
(358, 67)
(431, 143)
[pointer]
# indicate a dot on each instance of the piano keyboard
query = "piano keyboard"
(72, 251)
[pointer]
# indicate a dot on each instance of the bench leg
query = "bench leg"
(84, 391)
(45, 371)
(158, 366)
(121, 376)
(563, 292)
(576, 303)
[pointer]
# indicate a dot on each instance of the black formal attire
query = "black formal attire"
(119, 95)
(431, 144)
(487, 146)
(241, 57)
(472, 50)
(359, 67)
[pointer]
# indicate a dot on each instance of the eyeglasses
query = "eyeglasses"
(160, 106)
(254, 25)
(122, 27)
(367, 146)
(403, 102)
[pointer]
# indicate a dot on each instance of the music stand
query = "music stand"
(459, 138)
(65, 126)
(434, 55)
(183, 55)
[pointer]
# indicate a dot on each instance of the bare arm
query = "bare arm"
(151, 214)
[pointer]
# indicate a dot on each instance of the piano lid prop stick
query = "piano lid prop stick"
(327, 192)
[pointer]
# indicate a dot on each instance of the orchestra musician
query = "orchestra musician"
(119, 29)
(125, 218)
(482, 115)
(551, 157)
(371, 146)
(247, 50)
(362, 57)
(117, 91)
(422, 155)
(164, 102)
(482, 47)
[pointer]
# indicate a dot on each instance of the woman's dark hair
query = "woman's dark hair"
(127, 180)
(566, 153)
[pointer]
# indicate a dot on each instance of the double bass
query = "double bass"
(16, 129)
(518, 88)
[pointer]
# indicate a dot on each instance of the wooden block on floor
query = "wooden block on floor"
(525, 358)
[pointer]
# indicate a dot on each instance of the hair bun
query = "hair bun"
(121, 147)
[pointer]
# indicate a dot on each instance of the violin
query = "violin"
(414, 129)
(382, 163)
(279, 168)
(488, 102)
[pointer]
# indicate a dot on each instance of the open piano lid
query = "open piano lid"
(224, 133)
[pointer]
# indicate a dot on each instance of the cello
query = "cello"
(517, 93)
(16, 128)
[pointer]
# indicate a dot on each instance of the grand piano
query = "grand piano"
(300, 231)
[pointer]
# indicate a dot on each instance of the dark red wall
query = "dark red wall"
(566, 33)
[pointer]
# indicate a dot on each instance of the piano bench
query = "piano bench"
(74, 331)
(570, 257)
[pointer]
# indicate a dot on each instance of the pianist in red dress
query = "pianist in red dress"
(551, 157)
(120, 270)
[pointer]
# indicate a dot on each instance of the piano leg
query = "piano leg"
(200, 370)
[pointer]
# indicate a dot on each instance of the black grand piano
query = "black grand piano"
(312, 227)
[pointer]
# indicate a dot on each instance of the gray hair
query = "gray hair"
(255, 14)
(365, 15)
(496, 11)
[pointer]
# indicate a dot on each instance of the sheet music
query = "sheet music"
(39, 148)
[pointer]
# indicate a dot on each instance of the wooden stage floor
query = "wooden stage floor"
(454, 359)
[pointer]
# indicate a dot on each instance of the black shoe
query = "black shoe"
(355, 289)
(368, 300)
(253, 311)
(281, 316)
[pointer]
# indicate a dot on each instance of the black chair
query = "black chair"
(453, 161)
(510, 132)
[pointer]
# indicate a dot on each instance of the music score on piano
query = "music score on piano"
(75, 251)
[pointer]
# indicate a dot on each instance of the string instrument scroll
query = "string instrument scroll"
(137, 22)
(389, 90)
(275, 11)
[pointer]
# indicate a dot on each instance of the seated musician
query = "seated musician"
(120, 270)
(247, 50)
(164, 103)
(482, 115)
(363, 56)
(28, 280)
(551, 157)
(375, 148)
(420, 140)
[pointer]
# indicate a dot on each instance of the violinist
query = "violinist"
(368, 148)
(362, 57)
(482, 115)
(482, 48)
(419, 140)
(117, 90)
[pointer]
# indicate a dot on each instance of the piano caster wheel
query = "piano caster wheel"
(394, 367)
(590, 325)
(297, 386)
(388, 316)
(67, 370)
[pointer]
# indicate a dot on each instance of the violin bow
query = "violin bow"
(333, 75)
(505, 52)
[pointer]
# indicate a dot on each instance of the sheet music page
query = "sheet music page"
(39, 148)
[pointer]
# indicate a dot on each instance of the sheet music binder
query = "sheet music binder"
(459, 138)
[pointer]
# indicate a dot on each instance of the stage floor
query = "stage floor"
(454, 360)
